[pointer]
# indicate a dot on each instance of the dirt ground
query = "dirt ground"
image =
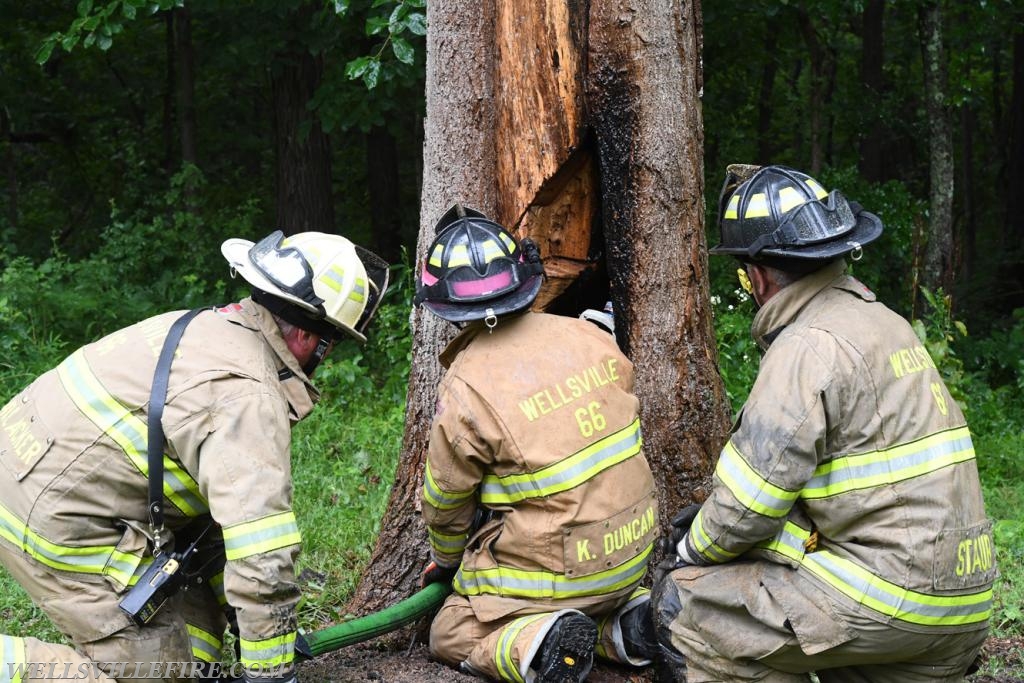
(408, 662)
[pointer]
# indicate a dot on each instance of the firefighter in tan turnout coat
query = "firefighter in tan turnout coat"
(537, 438)
(74, 526)
(845, 533)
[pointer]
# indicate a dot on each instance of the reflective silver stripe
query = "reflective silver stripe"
(510, 582)
(504, 651)
(564, 474)
(104, 559)
(261, 536)
(749, 487)
(899, 463)
(268, 652)
(435, 497)
(890, 599)
(127, 430)
(205, 645)
(12, 659)
(447, 544)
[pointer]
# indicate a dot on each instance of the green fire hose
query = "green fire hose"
(372, 625)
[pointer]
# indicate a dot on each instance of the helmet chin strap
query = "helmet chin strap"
(317, 356)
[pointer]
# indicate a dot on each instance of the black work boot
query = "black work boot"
(669, 663)
(638, 634)
(567, 652)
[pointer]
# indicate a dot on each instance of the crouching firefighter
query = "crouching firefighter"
(845, 533)
(142, 500)
(538, 425)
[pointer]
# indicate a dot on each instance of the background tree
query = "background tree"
(599, 161)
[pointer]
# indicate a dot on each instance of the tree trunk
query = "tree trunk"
(938, 256)
(10, 169)
(765, 151)
(186, 85)
(579, 127)
(644, 89)
(458, 166)
(302, 149)
(170, 93)
(1013, 233)
(818, 84)
(872, 79)
(382, 181)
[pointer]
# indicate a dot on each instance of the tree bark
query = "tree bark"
(458, 166)
(644, 89)
(578, 126)
(1013, 233)
(186, 85)
(10, 168)
(938, 257)
(872, 79)
(765, 109)
(819, 69)
(170, 93)
(302, 149)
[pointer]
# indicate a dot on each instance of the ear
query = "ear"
(763, 286)
(301, 343)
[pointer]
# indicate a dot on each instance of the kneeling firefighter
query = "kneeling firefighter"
(140, 553)
(845, 533)
(537, 427)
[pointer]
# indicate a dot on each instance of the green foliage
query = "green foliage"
(345, 454)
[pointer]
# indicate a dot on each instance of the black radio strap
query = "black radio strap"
(155, 436)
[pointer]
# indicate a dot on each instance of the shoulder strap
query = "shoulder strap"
(155, 437)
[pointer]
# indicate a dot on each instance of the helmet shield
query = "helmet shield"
(285, 267)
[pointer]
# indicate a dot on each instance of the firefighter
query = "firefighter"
(537, 497)
(75, 531)
(845, 533)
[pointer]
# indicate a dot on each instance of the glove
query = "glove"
(680, 527)
(435, 573)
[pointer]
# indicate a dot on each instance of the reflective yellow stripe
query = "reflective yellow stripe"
(205, 645)
(458, 256)
(818, 190)
(899, 463)
(261, 536)
(788, 198)
(509, 244)
(564, 474)
(12, 659)
(216, 584)
(269, 652)
(732, 208)
(435, 256)
(752, 490)
(757, 207)
(447, 544)
(358, 293)
(102, 559)
(438, 498)
(705, 546)
(521, 583)
(867, 588)
(127, 431)
(506, 642)
(333, 277)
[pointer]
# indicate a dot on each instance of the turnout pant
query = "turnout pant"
(499, 637)
(188, 628)
(760, 621)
